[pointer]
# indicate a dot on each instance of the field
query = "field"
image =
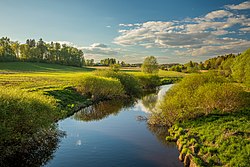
(55, 80)
(41, 76)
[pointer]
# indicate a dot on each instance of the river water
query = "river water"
(109, 134)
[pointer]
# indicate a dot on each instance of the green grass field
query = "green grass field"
(54, 80)
(39, 67)
(42, 76)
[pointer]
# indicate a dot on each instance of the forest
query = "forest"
(40, 51)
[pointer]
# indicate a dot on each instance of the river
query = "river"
(109, 134)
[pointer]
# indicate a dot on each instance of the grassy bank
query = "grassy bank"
(214, 140)
(209, 119)
(35, 95)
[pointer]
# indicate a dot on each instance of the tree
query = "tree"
(115, 67)
(150, 65)
(241, 68)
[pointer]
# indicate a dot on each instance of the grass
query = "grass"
(39, 76)
(216, 139)
(42, 76)
(213, 140)
(39, 67)
(53, 79)
(161, 73)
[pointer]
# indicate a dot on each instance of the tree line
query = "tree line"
(40, 51)
(110, 62)
(215, 63)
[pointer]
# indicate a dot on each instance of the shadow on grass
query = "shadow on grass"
(40, 67)
(69, 100)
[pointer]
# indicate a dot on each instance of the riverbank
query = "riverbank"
(40, 95)
(209, 119)
(59, 82)
(214, 140)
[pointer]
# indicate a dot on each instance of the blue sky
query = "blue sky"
(173, 31)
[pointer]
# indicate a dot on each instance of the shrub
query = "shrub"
(149, 81)
(130, 82)
(197, 95)
(100, 87)
(224, 97)
(24, 114)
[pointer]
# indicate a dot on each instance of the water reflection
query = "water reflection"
(161, 133)
(108, 134)
(35, 150)
(149, 102)
(102, 110)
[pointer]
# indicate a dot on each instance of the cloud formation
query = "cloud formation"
(242, 6)
(217, 32)
(99, 49)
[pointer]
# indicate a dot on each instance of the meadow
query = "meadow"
(60, 81)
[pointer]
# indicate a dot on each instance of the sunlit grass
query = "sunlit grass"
(32, 76)
(161, 73)
(39, 75)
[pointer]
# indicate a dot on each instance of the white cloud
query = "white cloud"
(126, 25)
(242, 6)
(206, 35)
(66, 43)
(245, 29)
(98, 45)
(218, 14)
(99, 49)
(108, 26)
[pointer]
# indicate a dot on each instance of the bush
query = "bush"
(100, 88)
(224, 97)
(130, 82)
(149, 81)
(197, 95)
(24, 114)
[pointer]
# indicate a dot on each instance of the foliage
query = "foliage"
(241, 68)
(100, 87)
(102, 109)
(220, 62)
(198, 95)
(31, 110)
(148, 81)
(89, 62)
(23, 114)
(40, 52)
(130, 82)
(225, 67)
(169, 80)
(216, 139)
(68, 100)
(37, 150)
(108, 61)
(150, 65)
(115, 67)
